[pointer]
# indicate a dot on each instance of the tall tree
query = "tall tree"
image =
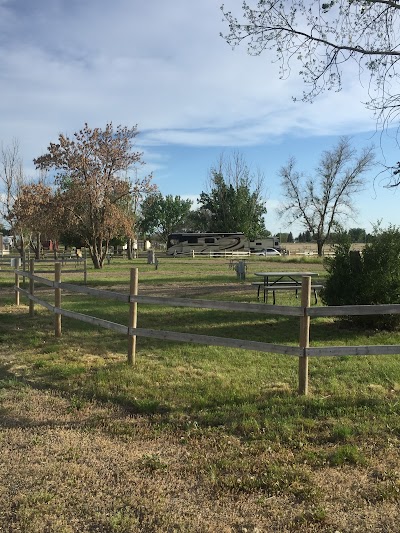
(11, 180)
(33, 214)
(321, 201)
(357, 234)
(235, 199)
(163, 215)
(198, 220)
(91, 173)
(317, 37)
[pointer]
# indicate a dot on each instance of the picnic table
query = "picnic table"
(278, 281)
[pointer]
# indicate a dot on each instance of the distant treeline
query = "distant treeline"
(358, 235)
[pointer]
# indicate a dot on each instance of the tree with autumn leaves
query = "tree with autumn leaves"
(32, 215)
(94, 196)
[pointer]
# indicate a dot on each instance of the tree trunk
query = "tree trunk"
(95, 252)
(21, 247)
(98, 250)
(37, 251)
(131, 250)
(320, 247)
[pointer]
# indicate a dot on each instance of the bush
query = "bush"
(370, 278)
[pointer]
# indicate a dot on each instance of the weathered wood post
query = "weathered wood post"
(85, 266)
(57, 300)
(151, 257)
(16, 285)
(133, 291)
(304, 334)
(24, 268)
(240, 268)
(31, 287)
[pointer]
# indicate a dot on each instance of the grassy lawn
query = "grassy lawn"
(193, 438)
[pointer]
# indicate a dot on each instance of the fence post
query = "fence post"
(85, 266)
(16, 287)
(24, 267)
(304, 334)
(57, 300)
(31, 287)
(133, 291)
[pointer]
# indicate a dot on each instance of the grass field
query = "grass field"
(193, 438)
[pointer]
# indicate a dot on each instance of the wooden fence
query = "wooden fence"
(305, 312)
(46, 266)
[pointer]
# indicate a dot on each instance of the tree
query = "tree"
(34, 213)
(235, 200)
(198, 220)
(370, 278)
(140, 190)
(357, 234)
(320, 202)
(163, 215)
(317, 38)
(91, 175)
(12, 179)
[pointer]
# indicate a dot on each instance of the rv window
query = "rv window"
(258, 243)
(209, 240)
(192, 240)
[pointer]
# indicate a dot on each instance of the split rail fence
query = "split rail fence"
(47, 265)
(305, 312)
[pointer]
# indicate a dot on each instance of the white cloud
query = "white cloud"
(159, 64)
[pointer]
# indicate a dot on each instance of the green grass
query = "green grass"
(237, 412)
(209, 382)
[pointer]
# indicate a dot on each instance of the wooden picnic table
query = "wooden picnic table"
(275, 280)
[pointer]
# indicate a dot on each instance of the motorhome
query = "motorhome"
(186, 243)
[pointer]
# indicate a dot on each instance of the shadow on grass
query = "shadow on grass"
(182, 387)
(279, 415)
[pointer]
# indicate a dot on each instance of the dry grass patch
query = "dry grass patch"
(69, 466)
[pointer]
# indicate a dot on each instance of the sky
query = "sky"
(164, 66)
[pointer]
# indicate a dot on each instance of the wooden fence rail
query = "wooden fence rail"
(46, 266)
(305, 312)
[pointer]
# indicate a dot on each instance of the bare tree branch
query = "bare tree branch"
(328, 197)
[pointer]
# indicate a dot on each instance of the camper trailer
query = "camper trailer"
(258, 245)
(186, 243)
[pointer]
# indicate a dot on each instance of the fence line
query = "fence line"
(305, 312)
(51, 262)
(211, 253)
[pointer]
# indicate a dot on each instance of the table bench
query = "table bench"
(283, 286)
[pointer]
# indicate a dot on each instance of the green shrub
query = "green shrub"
(368, 278)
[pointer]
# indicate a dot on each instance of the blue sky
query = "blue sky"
(162, 65)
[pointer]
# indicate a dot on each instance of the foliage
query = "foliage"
(370, 278)
(304, 236)
(34, 213)
(198, 220)
(357, 234)
(317, 37)
(92, 180)
(234, 201)
(12, 178)
(163, 215)
(320, 202)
